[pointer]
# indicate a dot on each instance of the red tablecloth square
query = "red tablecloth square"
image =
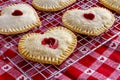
(73, 73)
(6, 76)
(115, 56)
(105, 70)
(87, 61)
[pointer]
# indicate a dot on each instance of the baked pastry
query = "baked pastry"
(112, 4)
(51, 5)
(92, 22)
(18, 18)
(52, 47)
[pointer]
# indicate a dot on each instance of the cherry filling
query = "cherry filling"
(53, 43)
(89, 16)
(17, 13)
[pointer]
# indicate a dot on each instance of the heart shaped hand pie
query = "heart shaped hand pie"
(18, 18)
(93, 21)
(52, 47)
(112, 4)
(51, 5)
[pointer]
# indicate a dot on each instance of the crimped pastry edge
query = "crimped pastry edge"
(78, 30)
(54, 8)
(110, 6)
(25, 28)
(54, 61)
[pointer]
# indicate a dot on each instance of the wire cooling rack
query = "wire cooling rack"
(85, 44)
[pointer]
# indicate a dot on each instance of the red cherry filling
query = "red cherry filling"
(89, 16)
(17, 13)
(53, 43)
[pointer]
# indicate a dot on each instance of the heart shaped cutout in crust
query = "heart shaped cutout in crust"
(112, 4)
(92, 22)
(18, 18)
(51, 5)
(52, 47)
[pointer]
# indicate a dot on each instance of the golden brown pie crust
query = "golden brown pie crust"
(112, 4)
(47, 60)
(25, 28)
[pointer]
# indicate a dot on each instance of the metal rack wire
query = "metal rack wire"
(85, 44)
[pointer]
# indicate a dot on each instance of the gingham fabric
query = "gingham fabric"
(102, 64)
(95, 58)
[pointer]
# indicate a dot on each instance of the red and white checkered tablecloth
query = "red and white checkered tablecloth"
(102, 64)
(95, 58)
